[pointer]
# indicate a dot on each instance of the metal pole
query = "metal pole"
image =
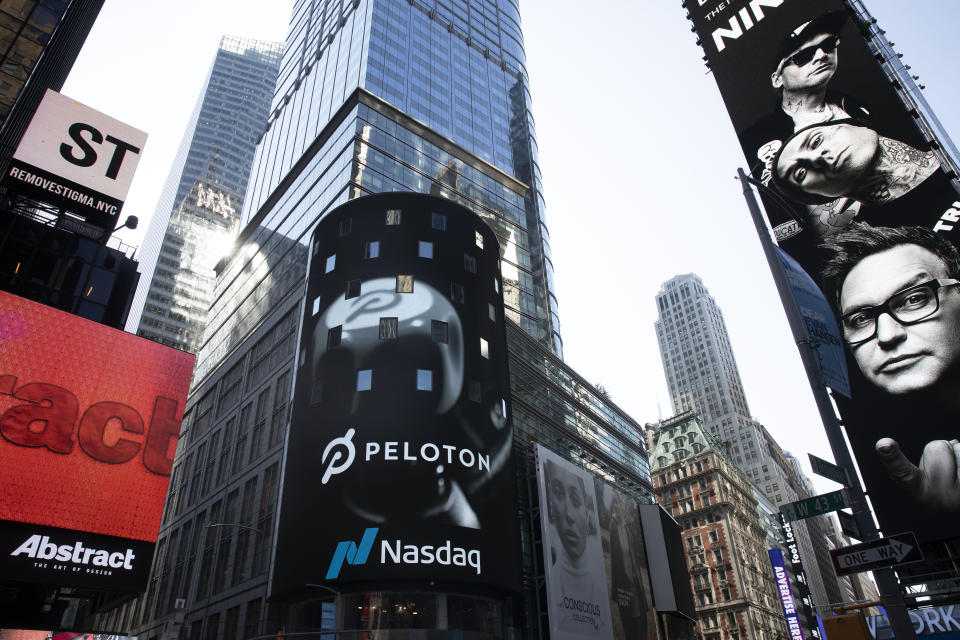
(887, 583)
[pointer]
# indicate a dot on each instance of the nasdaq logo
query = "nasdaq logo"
(348, 551)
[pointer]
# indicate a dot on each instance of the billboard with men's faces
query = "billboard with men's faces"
(857, 195)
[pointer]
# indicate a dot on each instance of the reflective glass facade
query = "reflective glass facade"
(386, 95)
(198, 213)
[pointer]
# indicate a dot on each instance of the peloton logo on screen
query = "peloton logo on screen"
(340, 453)
(396, 552)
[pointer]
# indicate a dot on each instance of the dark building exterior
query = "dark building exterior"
(46, 254)
(39, 42)
(42, 259)
(197, 216)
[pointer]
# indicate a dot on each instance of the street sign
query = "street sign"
(827, 469)
(815, 506)
(884, 552)
(849, 526)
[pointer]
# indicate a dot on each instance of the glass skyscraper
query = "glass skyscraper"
(387, 95)
(198, 212)
(372, 96)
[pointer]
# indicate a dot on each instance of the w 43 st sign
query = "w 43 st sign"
(815, 506)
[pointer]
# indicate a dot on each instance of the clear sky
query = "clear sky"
(638, 160)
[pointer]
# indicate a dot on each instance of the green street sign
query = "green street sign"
(815, 506)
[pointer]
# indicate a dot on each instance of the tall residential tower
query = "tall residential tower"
(702, 376)
(197, 216)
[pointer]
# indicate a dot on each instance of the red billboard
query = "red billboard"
(89, 421)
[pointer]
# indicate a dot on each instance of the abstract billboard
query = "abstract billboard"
(77, 158)
(858, 197)
(398, 465)
(89, 419)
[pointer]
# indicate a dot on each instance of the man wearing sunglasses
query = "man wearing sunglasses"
(897, 290)
(804, 63)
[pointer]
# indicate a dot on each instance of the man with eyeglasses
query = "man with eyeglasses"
(897, 290)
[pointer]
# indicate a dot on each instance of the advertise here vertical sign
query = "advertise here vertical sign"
(77, 158)
(786, 596)
(856, 195)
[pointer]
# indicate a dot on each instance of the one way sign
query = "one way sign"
(885, 552)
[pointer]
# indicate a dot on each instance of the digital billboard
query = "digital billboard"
(89, 421)
(77, 158)
(398, 466)
(625, 562)
(578, 598)
(858, 197)
(789, 605)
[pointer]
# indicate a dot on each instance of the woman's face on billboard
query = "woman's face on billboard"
(569, 509)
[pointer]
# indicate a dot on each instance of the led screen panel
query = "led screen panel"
(578, 598)
(398, 466)
(89, 421)
(858, 197)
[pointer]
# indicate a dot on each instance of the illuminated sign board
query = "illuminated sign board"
(782, 579)
(77, 158)
(398, 462)
(89, 422)
(857, 195)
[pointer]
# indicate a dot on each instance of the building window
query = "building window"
(457, 292)
(388, 328)
(439, 331)
(425, 249)
(438, 221)
(316, 392)
(713, 536)
(364, 379)
(346, 226)
(333, 337)
(404, 284)
(393, 217)
(316, 305)
(424, 380)
(469, 263)
(496, 286)
(492, 312)
(484, 348)
(331, 263)
(353, 289)
(371, 249)
(479, 239)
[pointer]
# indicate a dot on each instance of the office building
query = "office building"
(429, 97)
(725, 532)
(702, 376)
(197, 215)
(40, 42)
